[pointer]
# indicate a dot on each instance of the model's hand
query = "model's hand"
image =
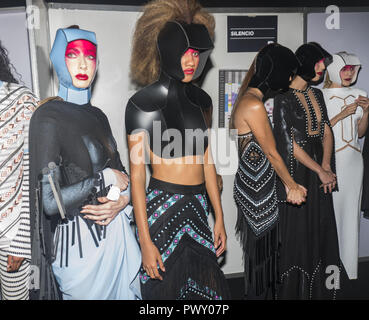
(220, 237)
(105, 212)
(122, 179)
(296, 195)
(151, 259)
(349, 110)
(363, 102)
(328, 179)
(14, 263)
(333, 184)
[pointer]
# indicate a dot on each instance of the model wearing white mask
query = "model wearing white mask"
(348, 109)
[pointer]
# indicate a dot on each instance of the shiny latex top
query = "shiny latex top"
(170, 105)
(340, 60)
(274, 66)
(67, 90)
(309, 54)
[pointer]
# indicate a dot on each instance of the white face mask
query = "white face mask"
(340, 60)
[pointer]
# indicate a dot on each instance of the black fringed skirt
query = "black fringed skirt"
(258, 219)
(178, 224)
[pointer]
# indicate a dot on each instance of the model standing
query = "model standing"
(309, 245)
(172, 42)
(254, 187)
(16, 106)
(348, 113)
(82, 249)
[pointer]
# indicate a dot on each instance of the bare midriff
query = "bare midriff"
(188, 170)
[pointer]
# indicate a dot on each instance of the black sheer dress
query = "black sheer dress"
(309, 256)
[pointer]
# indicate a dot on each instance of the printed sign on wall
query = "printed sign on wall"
(229, 84)
(250, 34)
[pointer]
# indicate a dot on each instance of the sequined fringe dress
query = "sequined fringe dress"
(257, 223)
(177, 218)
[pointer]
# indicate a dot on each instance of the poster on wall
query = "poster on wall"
(229, 84)
(250, 34)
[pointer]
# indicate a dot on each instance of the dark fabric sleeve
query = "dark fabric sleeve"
(208, 116)
(113, 144)
(283, 130)
(325, 120)
(283, 134)
(45, 148)
(319, 95)
(135, 119)
(42, 281)
(365, 193)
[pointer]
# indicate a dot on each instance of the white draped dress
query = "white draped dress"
(349, 170)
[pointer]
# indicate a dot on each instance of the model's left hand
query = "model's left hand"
(220, 238)
(14, 263)
(105, 212)
(329, 186)
(363, 102)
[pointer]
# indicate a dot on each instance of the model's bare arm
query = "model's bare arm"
(151, 257)
(255, 115)
(220, 236)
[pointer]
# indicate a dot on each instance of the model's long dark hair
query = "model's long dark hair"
(6, 67)
(242, 91)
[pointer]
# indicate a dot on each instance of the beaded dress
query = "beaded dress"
(257, 223)
(309, 246)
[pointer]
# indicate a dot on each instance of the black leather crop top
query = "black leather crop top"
(175, 115)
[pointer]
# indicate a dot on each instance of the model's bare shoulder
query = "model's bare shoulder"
(250, 105)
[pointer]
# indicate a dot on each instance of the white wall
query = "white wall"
(350, 37)
(112, 89)
(14, 37)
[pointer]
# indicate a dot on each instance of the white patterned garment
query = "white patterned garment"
(349, 170)
(16, 106)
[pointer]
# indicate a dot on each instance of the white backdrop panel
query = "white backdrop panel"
(112, 87)
(14, 37)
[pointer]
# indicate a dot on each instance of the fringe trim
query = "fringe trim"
(260, 257)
